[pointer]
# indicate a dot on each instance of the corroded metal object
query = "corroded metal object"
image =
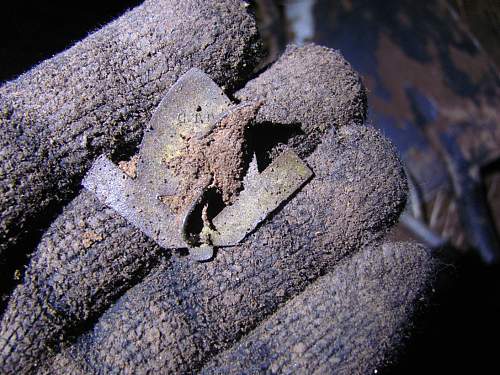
(191, 108)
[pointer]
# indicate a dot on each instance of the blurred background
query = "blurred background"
(431, 70)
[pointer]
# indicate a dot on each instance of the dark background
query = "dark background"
(460, 333)
(34, 31)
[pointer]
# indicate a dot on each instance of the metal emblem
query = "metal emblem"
(191, 108)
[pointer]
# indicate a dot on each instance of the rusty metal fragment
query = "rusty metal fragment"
(265, 193)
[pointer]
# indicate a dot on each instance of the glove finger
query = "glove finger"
(88, 256)
(322, 100)
(350, 321)
(96, 96)
(183, 313)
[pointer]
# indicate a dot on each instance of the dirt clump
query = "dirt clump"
(218, 160)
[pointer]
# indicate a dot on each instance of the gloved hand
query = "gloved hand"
(96, 98)
(313, 286)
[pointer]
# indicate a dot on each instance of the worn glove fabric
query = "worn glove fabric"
(100, 297)
(182, 314)
(97, 96)
(344, 322)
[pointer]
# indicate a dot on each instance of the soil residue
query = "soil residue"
(218, 160)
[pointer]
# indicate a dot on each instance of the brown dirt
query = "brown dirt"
(219, 159)
(183, 313)
(96, 97)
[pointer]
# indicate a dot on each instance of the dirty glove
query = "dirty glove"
(97, 96)
(99, 296)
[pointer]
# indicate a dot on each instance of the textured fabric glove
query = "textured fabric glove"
(314, 288)
(97, 96)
